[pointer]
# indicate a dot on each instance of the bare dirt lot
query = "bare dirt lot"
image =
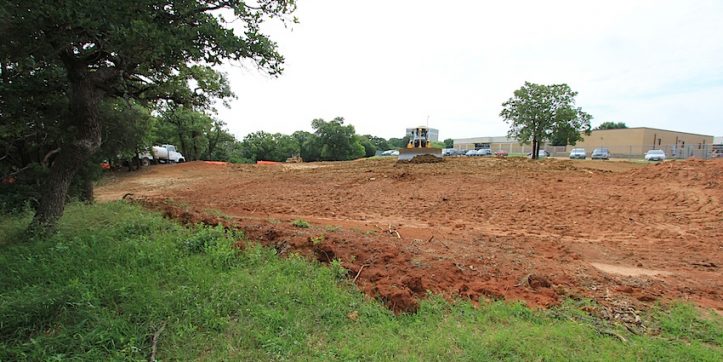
(624, 234)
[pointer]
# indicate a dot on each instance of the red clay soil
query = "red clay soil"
(538, 231)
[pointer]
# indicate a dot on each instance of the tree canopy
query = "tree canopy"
(338, 142)
(536, 113)
(611, 125)
(137, 49)
(269, 147)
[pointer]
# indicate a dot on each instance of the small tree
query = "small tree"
(378, 142)
(369, 148)
(448, 143)
(537, 112)
(399, 142)
(339, 142)
(309, 146)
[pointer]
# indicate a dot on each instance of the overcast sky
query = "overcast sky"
(388, 65)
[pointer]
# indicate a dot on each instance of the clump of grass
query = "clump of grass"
(113, 274)
(299, 223)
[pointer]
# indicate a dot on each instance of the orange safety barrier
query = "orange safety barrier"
(267, 163)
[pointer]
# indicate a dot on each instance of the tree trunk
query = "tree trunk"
(86, 193)
(212, 142)
(196, 156)
(534, 147)
(85, 97)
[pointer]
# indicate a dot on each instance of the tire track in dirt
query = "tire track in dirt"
(472, 228)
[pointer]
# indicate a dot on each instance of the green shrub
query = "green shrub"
(300, 224)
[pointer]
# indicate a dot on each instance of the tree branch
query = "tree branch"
(48, 155)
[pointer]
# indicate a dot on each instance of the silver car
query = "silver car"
(655, 155)
(578, 153)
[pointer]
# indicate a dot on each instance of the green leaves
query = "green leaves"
(540, 113)
(339, 142)
(269, 147)
(611, 125)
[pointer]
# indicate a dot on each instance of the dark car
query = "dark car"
(600, 154)
(484, 152)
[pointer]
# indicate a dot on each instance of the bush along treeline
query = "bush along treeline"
(331, 141)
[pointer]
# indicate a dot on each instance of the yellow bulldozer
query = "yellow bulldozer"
(420, 147)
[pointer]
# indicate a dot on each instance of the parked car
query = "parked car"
(540, 154)
(578, 153)
(655, 155)
(501, 153)
(484, 152)
(600, 154)
(390, 153)
(448, 152)
(471, 153)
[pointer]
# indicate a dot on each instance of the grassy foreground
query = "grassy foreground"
(115, 276)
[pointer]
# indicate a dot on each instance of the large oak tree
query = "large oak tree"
(126, 49)
(537, 113)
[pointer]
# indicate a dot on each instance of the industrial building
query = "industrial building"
(623, 142)
(494, 143)
(633, 142)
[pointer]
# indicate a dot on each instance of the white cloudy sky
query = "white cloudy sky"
(388, 65)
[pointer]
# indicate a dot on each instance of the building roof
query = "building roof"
(505, 139)
(496, 139)
(652, 129)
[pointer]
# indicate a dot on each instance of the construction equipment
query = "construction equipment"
(420, 147)
(294, 159)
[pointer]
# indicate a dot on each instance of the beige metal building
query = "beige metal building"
(622, 143)
(494, 143)
(634, 142)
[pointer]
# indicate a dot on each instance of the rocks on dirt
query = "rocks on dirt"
(535, 281)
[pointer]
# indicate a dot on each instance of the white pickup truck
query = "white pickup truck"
(161, 154)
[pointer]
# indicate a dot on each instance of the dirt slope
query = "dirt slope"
(623, 233)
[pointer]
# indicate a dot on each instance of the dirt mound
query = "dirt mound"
(423, 159)
(477, 228)
(708, 174)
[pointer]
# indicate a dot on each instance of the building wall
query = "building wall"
(625, 142)
(634, 142)
(494, 143)
(617, 141)
(677, 143)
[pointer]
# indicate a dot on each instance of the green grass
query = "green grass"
(300, 224)
(115, 274)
